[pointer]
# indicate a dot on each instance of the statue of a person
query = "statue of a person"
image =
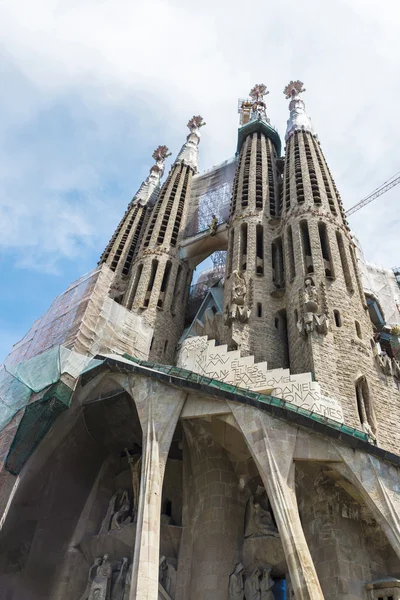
(128, 580)
(105, 525)
(259, 519)
(118, 589)
(121, 516)
(310, 296)
(252, 586)
(101, 586)
(239, 289)
(91, 576)
(266, 585)
(135, 463)
(212, 228)
(236, 583)
(170, 580)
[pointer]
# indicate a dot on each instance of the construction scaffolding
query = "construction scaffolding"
(211, 195)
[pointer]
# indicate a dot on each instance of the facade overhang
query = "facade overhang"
(259, 126)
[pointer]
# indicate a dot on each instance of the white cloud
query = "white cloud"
(128, 74)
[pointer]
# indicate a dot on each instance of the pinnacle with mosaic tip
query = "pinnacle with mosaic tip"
(196, 121)
(161, 153)
(294, 88)
(258, 92)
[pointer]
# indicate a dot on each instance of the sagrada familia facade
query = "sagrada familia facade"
(247, 450)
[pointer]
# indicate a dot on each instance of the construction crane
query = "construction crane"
(382, 189)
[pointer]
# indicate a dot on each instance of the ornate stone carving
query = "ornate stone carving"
(212, 228)
(259, 521)
(135, 462)
(128, 579)
(387, 587)
(122, 517)
(167, 576)
(239, 307)
(298, 120)
(101, 586)
(266, 585)
(105, 525)
(252, 586)
(313, 318)
(259, 108)
(91, 576)
(118, 588)
(236, 583)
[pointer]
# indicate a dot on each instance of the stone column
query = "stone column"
(159, 408)
(271, 443)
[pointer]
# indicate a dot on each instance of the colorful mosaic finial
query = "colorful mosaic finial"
(196, 122)
(258, 92)
(294, 88)
(161, 153)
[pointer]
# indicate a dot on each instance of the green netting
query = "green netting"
(36, 422)
(18, 382)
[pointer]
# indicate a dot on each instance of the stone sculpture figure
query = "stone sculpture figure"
(105, 525)
(128, 579)
(238, 309)
(118, 589)
(170, 580)
(135, 463)
(259, 521)
(121, 516)
(236, 583)
(91, 576)
(101, 586)
(212, 228)
(312, 318)
(252, 586)
(266, 585)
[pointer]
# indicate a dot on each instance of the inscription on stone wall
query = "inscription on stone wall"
(200, 355)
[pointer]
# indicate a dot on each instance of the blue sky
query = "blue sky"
(91, 87)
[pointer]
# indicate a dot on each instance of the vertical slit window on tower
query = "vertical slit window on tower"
(356, 273)
(343, 259)
(338, 318)
(306, 245)
(271, 186)
(287, 177)
(135, 285)
(181, 206)
(134, 243)
(325, 249)
(243, 246)
(259, 250)
(157, 207)
(230, 254)
(358, 329)
(176, 288)
(311, 171)
(277, 263)
(164, 284)
(325, 172)
(246, 174)
(364, 403)
(259, 183)
(297, 170)
(154, 267)
(259, 309)
(292, 266)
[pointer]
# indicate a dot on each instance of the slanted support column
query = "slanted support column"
(272, 444)
(159, 408)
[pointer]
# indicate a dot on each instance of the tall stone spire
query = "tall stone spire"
(148, 191)
(298, 120)
(189, 153)
(160, 278)
(122, 247)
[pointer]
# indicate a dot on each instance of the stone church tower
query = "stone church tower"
(159, 280)
(248, 452)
